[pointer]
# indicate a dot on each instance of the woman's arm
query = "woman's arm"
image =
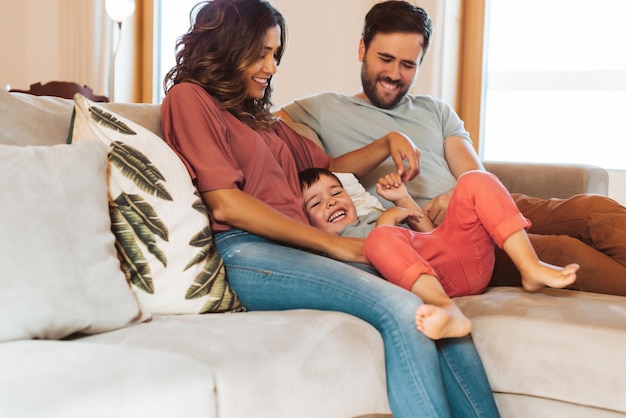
(239, 210)
(363, 160)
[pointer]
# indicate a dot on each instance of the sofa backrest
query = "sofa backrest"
(42, 120)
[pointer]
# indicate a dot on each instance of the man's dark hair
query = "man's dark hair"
(397, 16)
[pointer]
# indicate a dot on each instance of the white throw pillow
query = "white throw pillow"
(59, 272)
(364, 201)
(161, 225)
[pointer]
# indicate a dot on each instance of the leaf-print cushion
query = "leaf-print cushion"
(59, 272)
(161, 226)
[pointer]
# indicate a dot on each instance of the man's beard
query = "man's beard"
(369, 88)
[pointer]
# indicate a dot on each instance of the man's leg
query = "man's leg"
(595, 220)
(598, 272)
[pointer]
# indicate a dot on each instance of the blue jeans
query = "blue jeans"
(425, 378)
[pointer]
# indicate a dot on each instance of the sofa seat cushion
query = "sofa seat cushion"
(63, 379)
(299, 363)
(553, 344)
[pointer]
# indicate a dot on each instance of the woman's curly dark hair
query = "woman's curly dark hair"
(225, 38)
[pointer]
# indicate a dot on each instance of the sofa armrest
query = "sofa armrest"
(546, 180)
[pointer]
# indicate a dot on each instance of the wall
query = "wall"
(322, 51)
(31, 37)
(617, 185)
(41, 44)
(321, 54)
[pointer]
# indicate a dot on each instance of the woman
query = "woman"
(216, 115)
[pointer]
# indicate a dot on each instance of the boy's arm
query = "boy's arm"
(391, 188)
(396, 215)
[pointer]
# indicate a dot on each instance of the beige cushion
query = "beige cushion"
(63, 379)
(59, 272)
(364, 201)
(296, 363)
(554, 344)
(161, 226)
(40, 120)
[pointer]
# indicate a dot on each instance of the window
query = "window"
(556, 82)
(171, 22)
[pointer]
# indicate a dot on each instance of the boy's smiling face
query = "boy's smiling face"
(328, 205)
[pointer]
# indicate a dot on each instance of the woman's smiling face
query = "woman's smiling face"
(257, 77)
(328, 206)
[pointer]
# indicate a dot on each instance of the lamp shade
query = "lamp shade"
(119, 10)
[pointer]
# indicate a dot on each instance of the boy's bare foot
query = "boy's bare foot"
(544, 274)
(442, 322)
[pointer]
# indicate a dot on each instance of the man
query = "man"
(586, 229)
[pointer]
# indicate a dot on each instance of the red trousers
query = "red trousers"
(460, 252)
(586, 229)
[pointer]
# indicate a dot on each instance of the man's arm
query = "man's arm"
(361, 161)
(461, 158)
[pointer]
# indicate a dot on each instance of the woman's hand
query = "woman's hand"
(346, 249)
(437, 207)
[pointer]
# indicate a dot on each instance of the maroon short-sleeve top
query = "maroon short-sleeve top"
(221, 152)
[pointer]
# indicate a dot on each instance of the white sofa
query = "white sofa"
(553, 353)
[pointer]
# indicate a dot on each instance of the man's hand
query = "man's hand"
(437, 207)
(402, 149)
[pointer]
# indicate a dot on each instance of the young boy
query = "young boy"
(454, 259)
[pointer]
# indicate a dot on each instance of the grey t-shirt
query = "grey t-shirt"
(361, 227)
(364, 225)
(345, 123)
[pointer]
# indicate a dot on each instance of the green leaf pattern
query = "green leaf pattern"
(211, 280)
(134, 264)
(142, 218)
(135, 223)
(138, 168)
(199, 205)
(109, 121)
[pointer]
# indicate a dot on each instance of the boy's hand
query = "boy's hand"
(396, 215)
(391, 188)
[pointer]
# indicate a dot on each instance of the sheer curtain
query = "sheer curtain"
(470, 69)
(453, 67)
(85, 42)
(142, 61)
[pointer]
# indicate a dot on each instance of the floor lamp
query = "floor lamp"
(119, 11)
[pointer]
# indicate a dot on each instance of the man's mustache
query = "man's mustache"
(390, 81)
